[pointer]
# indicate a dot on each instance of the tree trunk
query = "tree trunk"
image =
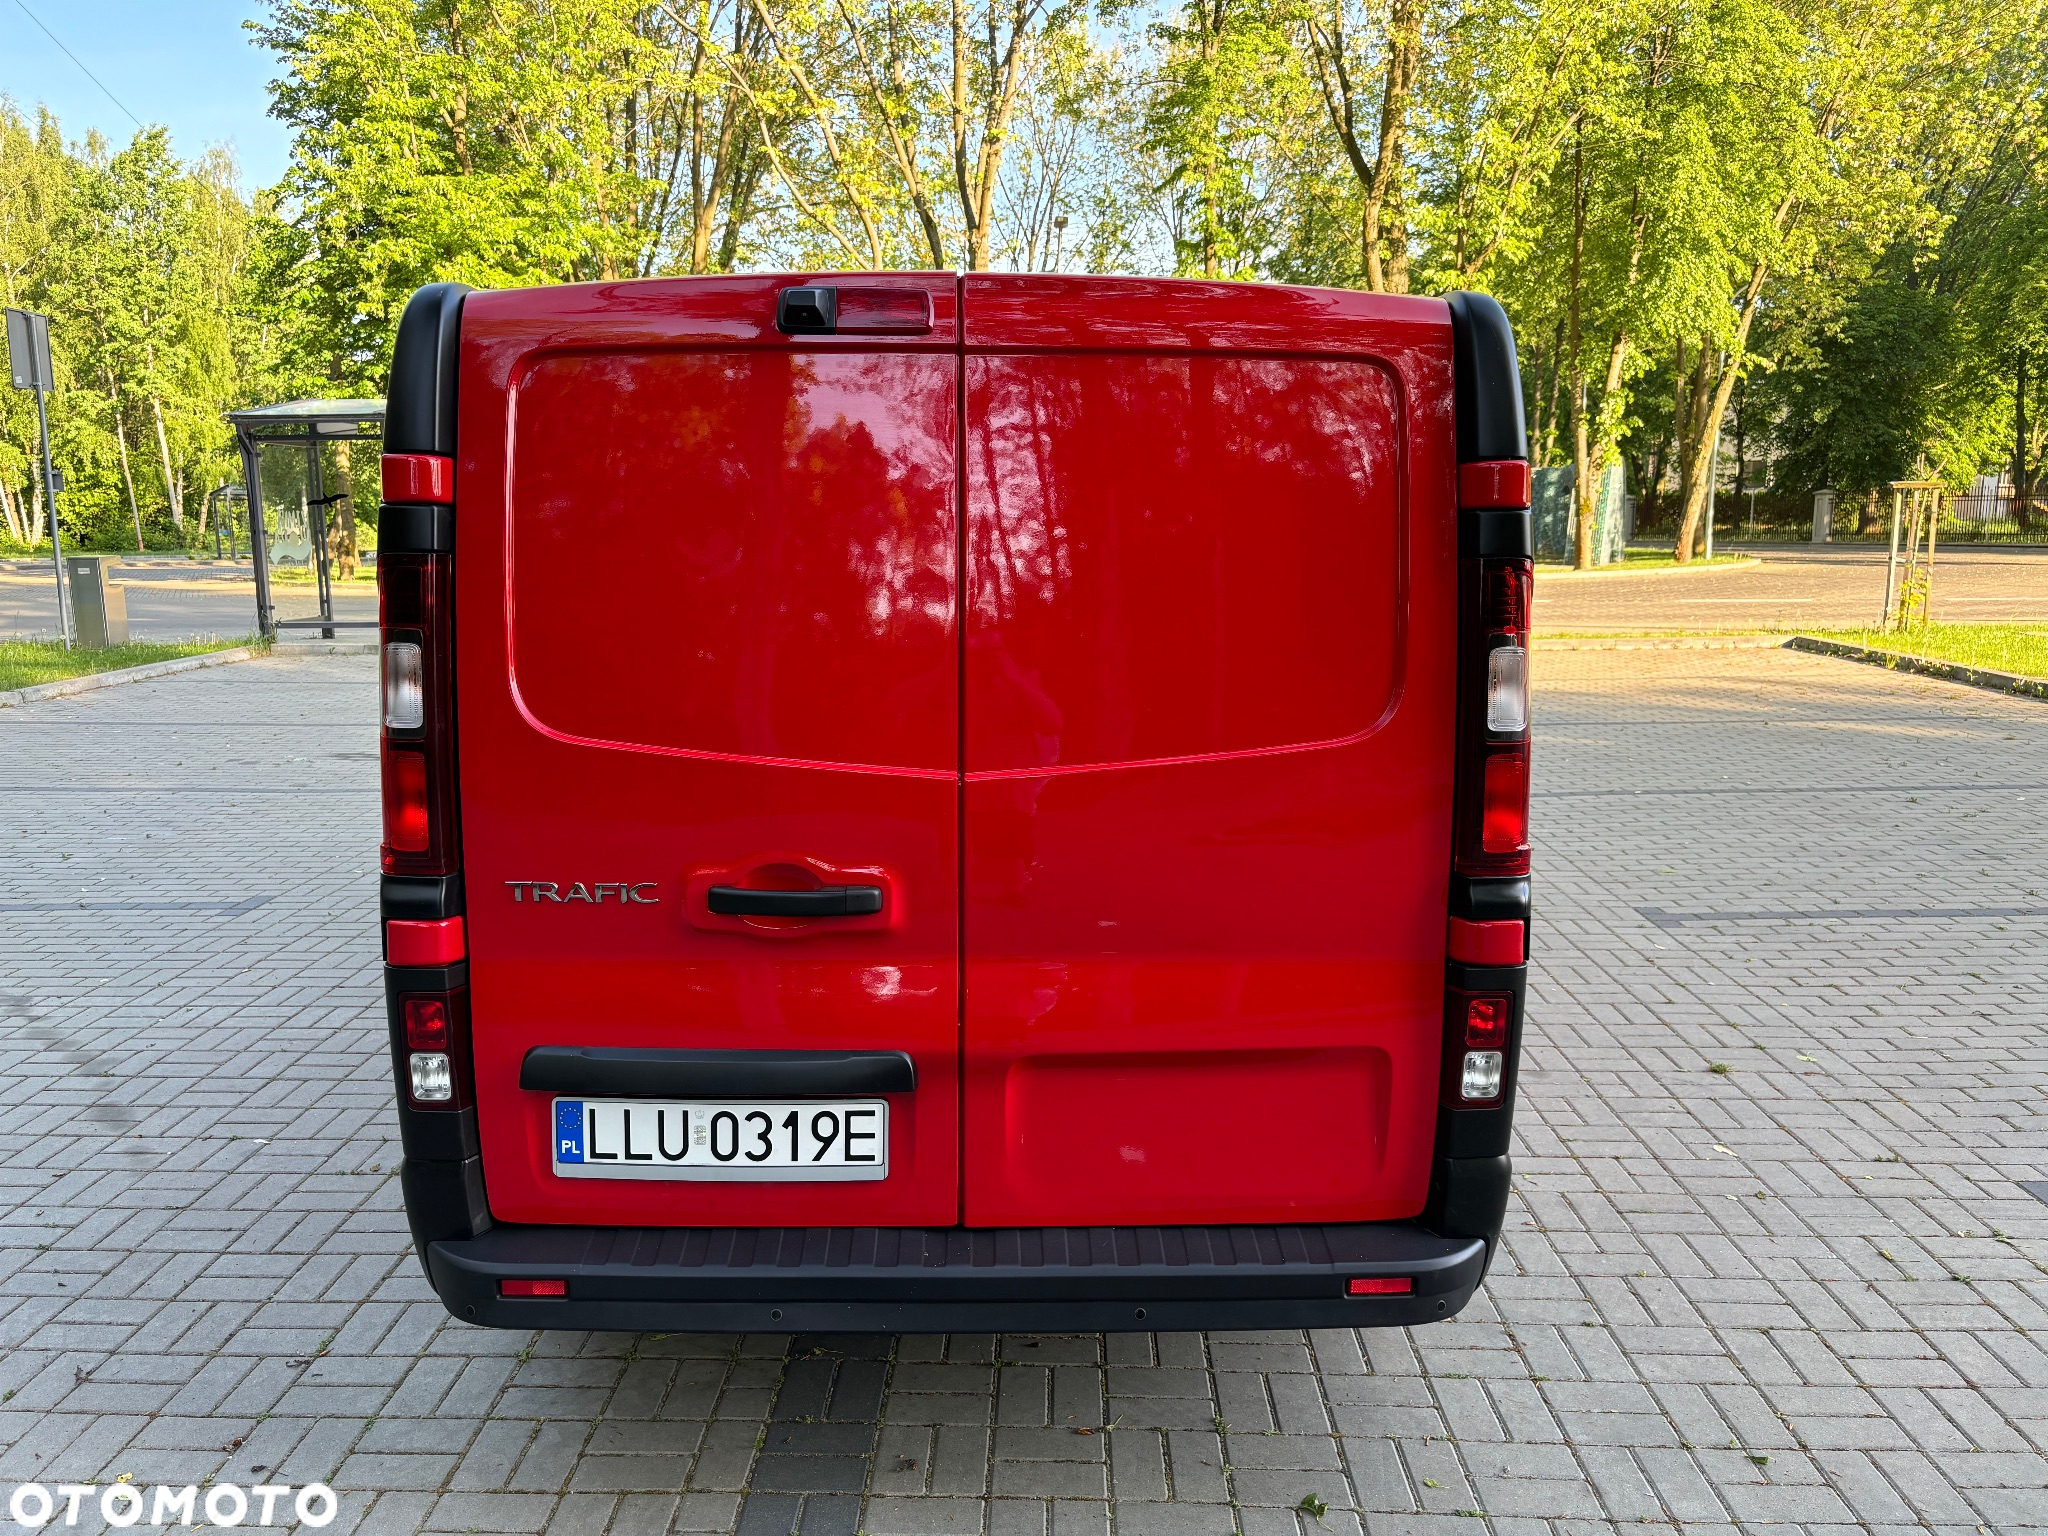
(346, 553)
(1582, 469)
(1695, 402)
(171, 485)
(1710, 429)
(36, 509)
(1741, 445)
(1605, 441)
(127, 475)
(2022, 483)
(1384, 220)
(1212, 218)
(17, 530)
(1556, 385)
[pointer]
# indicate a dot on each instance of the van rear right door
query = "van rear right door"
(1209, 628)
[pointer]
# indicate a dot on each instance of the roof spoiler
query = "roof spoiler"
(419, 407)
(1489, 383)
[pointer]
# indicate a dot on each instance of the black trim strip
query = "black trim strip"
(415, 528)
(692, 1074)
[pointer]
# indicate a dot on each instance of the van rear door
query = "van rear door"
(705, 602)
(1209, 651)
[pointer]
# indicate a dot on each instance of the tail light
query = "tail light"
(416, 603)
(436, 1049)
(1493, 741)
(1476, 1049)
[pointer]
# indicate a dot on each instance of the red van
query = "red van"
(918, 802)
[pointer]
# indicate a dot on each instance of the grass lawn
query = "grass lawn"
(24, 663)
(2021, 648)
(304, 575)
(1646, 560)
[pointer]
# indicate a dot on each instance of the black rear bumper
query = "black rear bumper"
(917, 1280)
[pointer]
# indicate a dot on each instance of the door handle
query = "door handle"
(826, 901)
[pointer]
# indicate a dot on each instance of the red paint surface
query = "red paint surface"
(1210, 647)
(1494, 483)
(418, 477)
(1488, 943)
(705, 590)
(423, 943)
(709, 608)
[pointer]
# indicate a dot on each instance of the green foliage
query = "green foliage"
(140, 261)
(1821, 221)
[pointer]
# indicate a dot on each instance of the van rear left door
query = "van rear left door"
(705, 606)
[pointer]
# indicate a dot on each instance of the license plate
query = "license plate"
(835, 1139)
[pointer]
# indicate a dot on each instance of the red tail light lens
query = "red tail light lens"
(405, 801)
(426, 1023)
(1486, 1022)
(1506, 607)
(1504, 815)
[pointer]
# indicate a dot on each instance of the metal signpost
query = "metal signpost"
(28, 355)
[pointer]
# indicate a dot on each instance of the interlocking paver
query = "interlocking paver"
(1806, 1292)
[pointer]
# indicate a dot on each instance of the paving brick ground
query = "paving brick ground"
(1803, 1294)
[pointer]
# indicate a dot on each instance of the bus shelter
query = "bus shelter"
(300, 428)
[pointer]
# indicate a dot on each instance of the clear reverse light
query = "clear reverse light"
(405, 695)
(433, 1082)
(1481, 1079)
(1507, 689)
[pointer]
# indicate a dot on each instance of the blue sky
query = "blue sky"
(185, 63)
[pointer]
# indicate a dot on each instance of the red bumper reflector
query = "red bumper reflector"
(1382, 1285)
(533, 1287)
(1493, 483)
(1487, 943)
(436, 943)
(418, 477)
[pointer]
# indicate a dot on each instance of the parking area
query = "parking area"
(1769, 1265)
(175, 599)
(1791, 587)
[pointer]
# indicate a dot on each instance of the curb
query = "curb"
(1949, 671)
